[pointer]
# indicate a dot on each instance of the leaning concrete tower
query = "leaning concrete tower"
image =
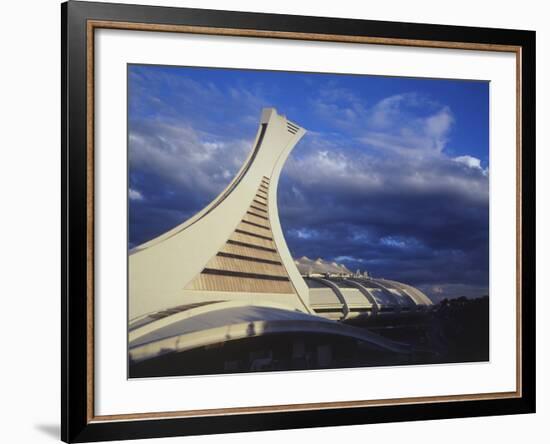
(232, 250)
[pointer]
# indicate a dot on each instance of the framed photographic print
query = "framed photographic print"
(276, 221)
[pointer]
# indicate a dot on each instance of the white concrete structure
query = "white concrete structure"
(226, 274)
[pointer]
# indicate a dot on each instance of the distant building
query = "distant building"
(225, 278)
(337, 293)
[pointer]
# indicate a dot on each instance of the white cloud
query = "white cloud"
(304, 233)
(437, 127)
(330, 164)
(194, 100)
(471, 162)
(387, 110)
(324, 163)
(349, 259)
(455, 290)
(186, 157)
(340, 106)
(402, 124)
(134, 194)
(393, 242)
(414, 158)
(395, 129)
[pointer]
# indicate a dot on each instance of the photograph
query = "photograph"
(276, 220)
(300, 221)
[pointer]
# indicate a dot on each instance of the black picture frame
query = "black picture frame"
(77, 424)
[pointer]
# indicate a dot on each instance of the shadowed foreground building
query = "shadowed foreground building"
(221, 293)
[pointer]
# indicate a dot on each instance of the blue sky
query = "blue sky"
(392, 176)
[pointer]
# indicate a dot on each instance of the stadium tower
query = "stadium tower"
(224, 280)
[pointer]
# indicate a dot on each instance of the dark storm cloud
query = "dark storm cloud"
(174, 172)
(422, 221)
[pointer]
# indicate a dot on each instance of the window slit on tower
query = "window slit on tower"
(257, 215)
(248, 258)
(255, 225)
(248, 233)
(267, 277)
(258, 209)
(249, 245)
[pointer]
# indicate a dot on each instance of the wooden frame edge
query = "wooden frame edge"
(90, 238)
(337, 38)
(91, 25)
(303, 407)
